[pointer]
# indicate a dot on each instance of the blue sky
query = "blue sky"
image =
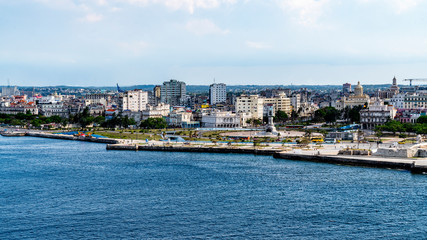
(103, 42)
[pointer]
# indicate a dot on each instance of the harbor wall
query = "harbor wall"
(419, 169)
(70, 137)
(191, 149)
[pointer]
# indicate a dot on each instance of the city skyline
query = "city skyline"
(139, 42)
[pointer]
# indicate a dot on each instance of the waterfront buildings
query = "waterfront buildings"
(173, 92)
(217, 93)
(181, 118)
(158, 111)
(377, 114)
(218, 119)
(254, 104)
(134, 100)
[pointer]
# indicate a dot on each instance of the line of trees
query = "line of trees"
(22, 119)
(331, 114)
(420, 127)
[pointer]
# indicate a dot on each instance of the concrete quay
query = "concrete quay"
(200, 149)
(70, 137)
(413, 165)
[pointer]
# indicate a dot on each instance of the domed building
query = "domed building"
(356, 99)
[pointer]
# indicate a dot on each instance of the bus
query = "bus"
(317, 139)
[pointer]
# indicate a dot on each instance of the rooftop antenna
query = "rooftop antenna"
(214, 80)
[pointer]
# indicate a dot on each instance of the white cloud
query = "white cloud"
(92, 17)
(305, 12)
(204, 27)
(257, 45)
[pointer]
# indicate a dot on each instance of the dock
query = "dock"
(414, 165)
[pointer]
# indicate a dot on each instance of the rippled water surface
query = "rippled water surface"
(56, 189)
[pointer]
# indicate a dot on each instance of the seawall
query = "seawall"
(409, 164)
(192, 149)
(70, 137)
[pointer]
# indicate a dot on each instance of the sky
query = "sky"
(236, 42)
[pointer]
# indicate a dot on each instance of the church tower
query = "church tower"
(394, 88)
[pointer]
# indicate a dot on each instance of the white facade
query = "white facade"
(398, 100)
(296, 102)
(134, 100)
(250, 104)
(217, 119)
(53, 109)
(159, 111)
(377, 114)
(254, 104)
(178, 117)
(98, 98)
(415, 101)
(217, 93)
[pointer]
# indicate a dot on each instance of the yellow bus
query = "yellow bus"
(317, 139)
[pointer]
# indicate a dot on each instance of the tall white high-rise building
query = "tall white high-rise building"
(217, 93)
(172, 92)
(134, 100)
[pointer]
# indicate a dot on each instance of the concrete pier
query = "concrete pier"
(413, 165)
(71, 137)
(204, 149)
(410, 164)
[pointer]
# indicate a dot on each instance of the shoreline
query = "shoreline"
(414, 165)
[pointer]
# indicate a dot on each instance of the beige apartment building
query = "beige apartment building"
(254, 104)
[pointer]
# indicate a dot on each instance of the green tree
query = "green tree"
(281, 116)
(99, 120)
(154, 123)
(354, 113)
(422, 119)
(294, 115)
(36, 122)
(331, 114)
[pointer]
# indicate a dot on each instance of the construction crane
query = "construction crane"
(414, 79)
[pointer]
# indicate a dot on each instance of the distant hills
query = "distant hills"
(205, 88)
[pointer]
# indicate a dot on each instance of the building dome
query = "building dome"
(358, 90)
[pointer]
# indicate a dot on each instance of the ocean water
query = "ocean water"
(57, 189)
